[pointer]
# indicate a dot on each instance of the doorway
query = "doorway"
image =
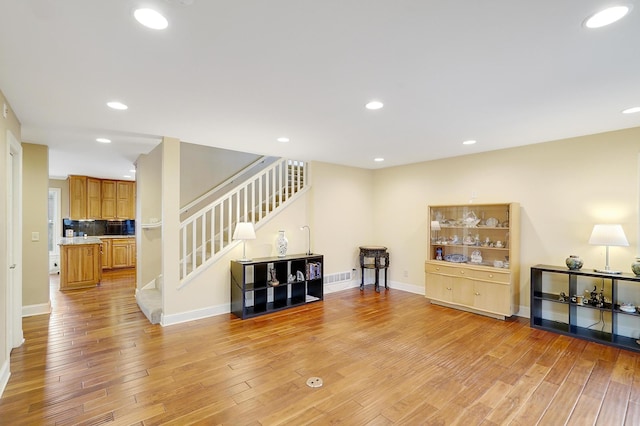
(54, 229)
(15, 336)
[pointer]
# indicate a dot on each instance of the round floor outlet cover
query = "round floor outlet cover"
(314, 382)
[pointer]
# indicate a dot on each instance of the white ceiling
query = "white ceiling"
(238, 74)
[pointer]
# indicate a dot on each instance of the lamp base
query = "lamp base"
(243, 260)
(607, 271)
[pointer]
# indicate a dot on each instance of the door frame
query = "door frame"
(15, 336)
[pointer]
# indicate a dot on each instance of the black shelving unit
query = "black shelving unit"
(253, 291)
(547, 284)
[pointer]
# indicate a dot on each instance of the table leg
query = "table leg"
(377, 280)
(362, 279)
(385, 278)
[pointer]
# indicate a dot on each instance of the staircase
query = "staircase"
(206, 235)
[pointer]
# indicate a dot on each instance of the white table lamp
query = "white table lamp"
(608, 235)
(244, 231)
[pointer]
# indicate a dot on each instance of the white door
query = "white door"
(15, 336)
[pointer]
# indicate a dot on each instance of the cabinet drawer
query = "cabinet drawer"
(465, 272)
(496, 277)
(443, 269)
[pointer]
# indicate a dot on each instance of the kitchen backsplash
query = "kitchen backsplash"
(98, 227)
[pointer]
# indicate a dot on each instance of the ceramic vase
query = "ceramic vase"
(281, 244)
(635, 266)
(574, 262)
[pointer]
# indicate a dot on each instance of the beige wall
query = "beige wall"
(149, 205)
(63, 185)
(213, 165)
(564, 188)
(9, 124)
(342, 216)
(35, 196)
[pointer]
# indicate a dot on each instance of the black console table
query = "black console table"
(586, 304)
(380, 258)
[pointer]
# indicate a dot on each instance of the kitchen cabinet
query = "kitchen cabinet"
(106, 253)
(123, 253)
(108, 199)
(80, 263)
(94, 191)
(94, 198)
(473, 258)
(118, 199)
(77, 197)
(125, 199)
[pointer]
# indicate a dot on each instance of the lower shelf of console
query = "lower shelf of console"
(597, 336)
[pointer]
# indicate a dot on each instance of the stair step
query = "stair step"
(150, 303)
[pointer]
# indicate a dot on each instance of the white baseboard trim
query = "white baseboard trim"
(197, 314)
(5, 373)
(340, 286)
(40, 309)
(524, 311)
(407, 287)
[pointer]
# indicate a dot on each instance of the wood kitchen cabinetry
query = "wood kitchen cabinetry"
(93, 198)
(125, 199)
(94, 201)
(77, 197)
(473, 254)
(106, 253)
(80, 265)
(123, 253)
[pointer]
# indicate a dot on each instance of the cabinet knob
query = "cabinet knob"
(462, 272)
(490, 275)
(477, 294)
(437, 268)
(449, 288)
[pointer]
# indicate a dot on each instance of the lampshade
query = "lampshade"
(608, 235)
(435, 225)
(244, 231)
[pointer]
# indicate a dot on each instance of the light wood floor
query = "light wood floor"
(388, 358)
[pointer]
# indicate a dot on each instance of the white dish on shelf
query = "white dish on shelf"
(492, 222)
(625, 307)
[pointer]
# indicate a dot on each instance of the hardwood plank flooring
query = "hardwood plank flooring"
(388, 358)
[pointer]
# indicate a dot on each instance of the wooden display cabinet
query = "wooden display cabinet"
(473, 258)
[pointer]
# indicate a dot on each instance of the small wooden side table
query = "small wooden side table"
(380, 258)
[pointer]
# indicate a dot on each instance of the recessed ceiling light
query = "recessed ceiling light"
(606, 16)
(631, 110)
(378, 159)
(151, 19)
(283, 139)
(103, 140)
(469, 142)
(117, 105)
(374, 105)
